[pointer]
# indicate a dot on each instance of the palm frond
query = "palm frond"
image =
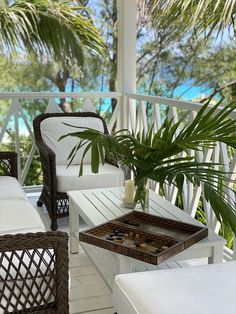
(224, 212)
(159, 156)
(200, 16)
(48, 28)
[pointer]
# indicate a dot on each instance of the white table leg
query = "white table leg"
(73, 227)
(217, 254)
(125, 264)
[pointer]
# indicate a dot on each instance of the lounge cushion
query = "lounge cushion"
(10, 188)
(53, 128)
(19, 216)
(68, 178)
(196, 290)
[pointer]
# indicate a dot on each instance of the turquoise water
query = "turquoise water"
(188, 92)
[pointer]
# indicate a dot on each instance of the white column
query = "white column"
(127, 33)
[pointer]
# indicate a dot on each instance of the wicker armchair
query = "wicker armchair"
(33, 266)
(58, 179)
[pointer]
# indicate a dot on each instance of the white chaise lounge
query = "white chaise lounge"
(209, 289)
(33, 262)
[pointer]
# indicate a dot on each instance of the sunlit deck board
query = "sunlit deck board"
(89, 293)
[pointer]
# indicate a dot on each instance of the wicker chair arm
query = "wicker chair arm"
(46, 151)
(47, 250)
(8, 164)
(48, 162)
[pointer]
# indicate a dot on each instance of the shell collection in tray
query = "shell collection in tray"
(145, 237)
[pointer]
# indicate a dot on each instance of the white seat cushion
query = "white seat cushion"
(53, 128)
(197, 290)
(10, 188)
(19, 216)
(68, 178)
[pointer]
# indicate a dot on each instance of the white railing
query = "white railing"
(158, 109)
(15, 114)
(133, 115)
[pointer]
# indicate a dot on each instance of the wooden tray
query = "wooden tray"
(178, 230)
(146, 237)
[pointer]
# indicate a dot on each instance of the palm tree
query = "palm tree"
(51, 28)
(200, 16)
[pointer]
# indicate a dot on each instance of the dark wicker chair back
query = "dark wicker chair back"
(34, 273)
(8, 164)
(56, 202)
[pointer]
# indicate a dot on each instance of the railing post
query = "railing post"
(127, 33)
(16, 108)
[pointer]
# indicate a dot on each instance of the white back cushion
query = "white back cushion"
(10, 188)
(53, 128)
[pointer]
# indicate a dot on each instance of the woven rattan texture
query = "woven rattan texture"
(8, 164)
(34, 273)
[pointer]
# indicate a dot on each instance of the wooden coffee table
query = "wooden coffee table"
(98, 206)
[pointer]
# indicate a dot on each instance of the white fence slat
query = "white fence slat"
(7, 120)
(157, 116)
(224, 156)
(232, 171)
(88, 105)
(26, 123)
(16, 106)
(52, 106)
(132, 114)
(138, 125)
(114, 117)
(28, 163)
(144, 117)
(180, 104)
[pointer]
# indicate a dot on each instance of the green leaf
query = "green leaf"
(87, 148)
(32, 25)
(224, 211)
(94, 158)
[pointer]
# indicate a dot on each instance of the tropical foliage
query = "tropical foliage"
(48, 28)
(164, 156)
(199, 16)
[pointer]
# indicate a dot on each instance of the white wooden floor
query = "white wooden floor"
(89, 293)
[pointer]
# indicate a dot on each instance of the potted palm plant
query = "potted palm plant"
(164, 156)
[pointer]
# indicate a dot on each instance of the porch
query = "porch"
(89, 291)
(123, 109)
(132, 111)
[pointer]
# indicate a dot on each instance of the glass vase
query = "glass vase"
(133, 192)
(142, 193)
